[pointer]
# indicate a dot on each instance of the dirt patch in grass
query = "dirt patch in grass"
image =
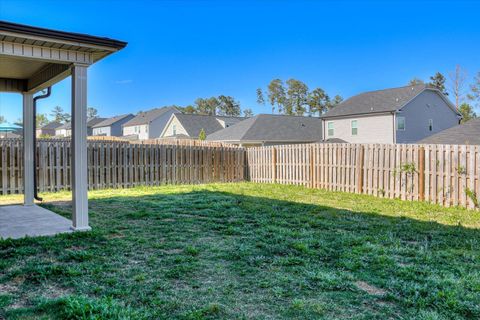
(173, 251)
(368, 288)
(6, 288)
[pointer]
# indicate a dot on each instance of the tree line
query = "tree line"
(465, 97)
(294, 98)
(221, 106)
(59, 115)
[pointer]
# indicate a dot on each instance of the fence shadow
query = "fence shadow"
(254, 252)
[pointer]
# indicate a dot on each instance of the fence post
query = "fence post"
(421, 173)
(312, 168)
(360, 157)
(274, 164)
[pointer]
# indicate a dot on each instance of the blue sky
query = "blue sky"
(181, 50)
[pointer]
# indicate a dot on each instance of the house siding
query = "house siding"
(63, 132)
(427, 105)
(152, 130)
(158, 124)
(49, 132)
(371, 129)
(102, 131)
(142, 135)
(114, 130)
(169, 129)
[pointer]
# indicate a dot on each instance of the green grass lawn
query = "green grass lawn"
(246, 251)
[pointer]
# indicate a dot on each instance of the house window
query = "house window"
(146, 129)
(354, 127)
(137, 129)
(430, 124)
(174, 129)
(331, 132)
(401, 123)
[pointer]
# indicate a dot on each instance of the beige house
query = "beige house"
(397, 115)
(149, 124)
(184, 126)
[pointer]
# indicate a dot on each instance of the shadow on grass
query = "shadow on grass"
(207, 254)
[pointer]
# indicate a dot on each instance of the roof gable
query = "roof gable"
(51, 125)
(386, 100)
(90, 123)
(194, 123)
(148, 116)
(110, 121)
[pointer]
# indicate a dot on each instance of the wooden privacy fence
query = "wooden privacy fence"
(114, 164)
(448, 175)
(442, 174)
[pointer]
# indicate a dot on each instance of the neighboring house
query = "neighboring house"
(149, 124)
(112, 127)
(48, 129)
(398, 115)
(189, 125)
(65, 130)
(267, 129)
(466, 133)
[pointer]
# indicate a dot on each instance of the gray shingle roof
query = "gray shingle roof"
(386, 100)
(467, 133)
(108, 122)
(267, 127)
(148, 116)
(194, 123)
(51, 125)
(90, 123)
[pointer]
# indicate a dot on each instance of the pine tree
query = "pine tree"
(438, 82)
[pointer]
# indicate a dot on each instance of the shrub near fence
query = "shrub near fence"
(442, 174)
(116, 164)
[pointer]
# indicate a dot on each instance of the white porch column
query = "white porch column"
(79, 148)
(28, 149)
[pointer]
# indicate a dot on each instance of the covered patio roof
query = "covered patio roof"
(32, 59)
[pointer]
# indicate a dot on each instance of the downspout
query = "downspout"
(394, 116)
(42, 96)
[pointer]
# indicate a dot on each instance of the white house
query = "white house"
(189, 125)
(65, 130)
(397, 115)
(112, 126)
(149, 124)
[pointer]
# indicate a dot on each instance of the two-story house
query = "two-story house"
(65, 130)
(112, 126)
(148, 124)
(397, 115)
(48, 129)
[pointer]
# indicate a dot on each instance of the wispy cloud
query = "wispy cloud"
(126, 81)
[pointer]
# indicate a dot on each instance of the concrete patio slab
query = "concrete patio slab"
(21, 221)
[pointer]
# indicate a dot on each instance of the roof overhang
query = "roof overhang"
(33, 58)
(355, 115)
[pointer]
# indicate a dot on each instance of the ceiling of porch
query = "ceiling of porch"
(14, 68)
